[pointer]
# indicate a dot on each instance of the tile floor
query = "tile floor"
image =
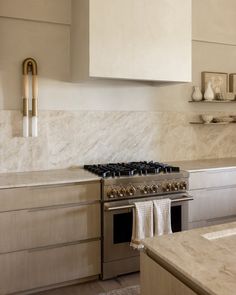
(96, 287)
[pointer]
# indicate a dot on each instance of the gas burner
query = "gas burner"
(130, 169)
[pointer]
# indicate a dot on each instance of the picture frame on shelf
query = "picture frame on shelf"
(232, 82)
(219, 83)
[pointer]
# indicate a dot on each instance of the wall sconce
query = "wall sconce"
(30, 65)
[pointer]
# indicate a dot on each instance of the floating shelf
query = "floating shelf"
(220, 123)
(213, 101)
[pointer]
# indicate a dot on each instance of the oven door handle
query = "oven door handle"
(184, 199)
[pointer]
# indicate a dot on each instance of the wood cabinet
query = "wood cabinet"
(27, 229)
(126, 39)
(214, 193)
(44, 196)
(155, 280)
(49, 235)
(28, 270)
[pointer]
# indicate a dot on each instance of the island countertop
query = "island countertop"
(204, 258)
(46, 177)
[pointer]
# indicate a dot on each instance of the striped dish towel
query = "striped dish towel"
(162, 217)
(142, 223)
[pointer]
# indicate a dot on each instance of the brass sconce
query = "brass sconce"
(30, 65)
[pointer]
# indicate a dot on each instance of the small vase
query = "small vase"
(197, 94)
(209, 93)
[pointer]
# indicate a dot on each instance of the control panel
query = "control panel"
(131, 190)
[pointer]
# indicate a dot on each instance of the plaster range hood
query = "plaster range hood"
(131, 40)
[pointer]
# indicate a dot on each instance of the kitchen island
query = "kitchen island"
(200, 261)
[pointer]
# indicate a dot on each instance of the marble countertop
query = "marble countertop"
(46, 177)
(206, 264)
(70, 175)
(207, 164)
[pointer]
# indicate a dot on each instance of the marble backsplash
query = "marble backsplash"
(76, 138)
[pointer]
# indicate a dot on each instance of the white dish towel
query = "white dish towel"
(162, 217)
(142, 223)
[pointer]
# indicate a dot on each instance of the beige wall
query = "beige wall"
(46, 36)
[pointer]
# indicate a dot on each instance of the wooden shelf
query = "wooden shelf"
(220, 123)
(213, 101)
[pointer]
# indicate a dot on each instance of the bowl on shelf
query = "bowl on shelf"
(206, 118)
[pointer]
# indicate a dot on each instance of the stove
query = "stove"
(123, 184)
(139, 179)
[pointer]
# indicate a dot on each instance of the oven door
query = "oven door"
(117, 231)
(118, 221)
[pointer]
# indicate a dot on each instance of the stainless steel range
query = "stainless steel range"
(122, 185)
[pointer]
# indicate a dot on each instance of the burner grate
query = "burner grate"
(130, 169)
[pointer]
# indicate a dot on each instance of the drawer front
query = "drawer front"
(28, 229)
(214, 178)
(33, 197)
(28, 270)
(197, 180)
(221, 178)
(209, 204)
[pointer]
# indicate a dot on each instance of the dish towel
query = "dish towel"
(162, 217)
(142, 223)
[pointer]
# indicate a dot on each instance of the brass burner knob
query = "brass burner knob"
(145, 189)
(112, 193)
(175, 186)
(183, 185)
(130, 191)
(166, 187)
(154, 188)
(121, 192)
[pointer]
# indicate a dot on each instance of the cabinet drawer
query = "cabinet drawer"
(212, 178)
(32, 197)
(27, 270)
(209, 204)
(221, 178)
(197, 180)
(26, 229)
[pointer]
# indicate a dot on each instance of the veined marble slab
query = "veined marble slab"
(208, 266)
(69, 138)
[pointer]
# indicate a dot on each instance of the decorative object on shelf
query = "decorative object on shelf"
(197, 94)
(206, 118)
(218, 94)
(30, 65)
(209, 93)
(234, 118)
(232, 83)
(230, 96)
(219, 82)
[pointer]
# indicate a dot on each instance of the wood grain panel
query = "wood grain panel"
(210, 204)
(24, 229)
(33, 197)
(27, 270)
(155, 280)
(212, 178)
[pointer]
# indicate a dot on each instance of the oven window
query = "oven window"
(176, 218)
(122, 227)
(123, 222)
